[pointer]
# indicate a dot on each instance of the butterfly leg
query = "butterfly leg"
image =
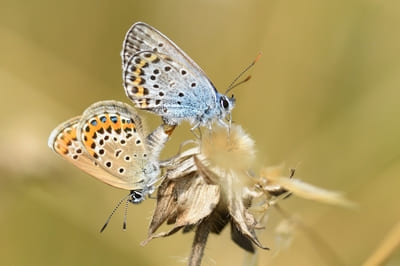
(183, 144)
(210, 130)
(196, 126)
(171, 161)
(151, 196)
(151, 187)
(224, 124)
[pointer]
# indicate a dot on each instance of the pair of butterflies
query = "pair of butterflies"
(109, 141)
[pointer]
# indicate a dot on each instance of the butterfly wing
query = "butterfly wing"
(64, 141)
(143, 37)
(112, 133)
(159, 77)
(155, 82)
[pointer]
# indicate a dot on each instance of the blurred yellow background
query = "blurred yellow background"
(324, 98)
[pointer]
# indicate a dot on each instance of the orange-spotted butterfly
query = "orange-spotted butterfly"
(109, 142)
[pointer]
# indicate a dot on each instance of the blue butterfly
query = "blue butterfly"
(159, 77)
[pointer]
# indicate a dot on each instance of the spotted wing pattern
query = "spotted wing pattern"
(113, 134)
(157, 83)
(63, 140)
(159, 77)
(109, 142)
(143, 37)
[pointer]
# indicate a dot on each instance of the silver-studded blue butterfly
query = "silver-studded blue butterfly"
(159, 77)
(109, 142)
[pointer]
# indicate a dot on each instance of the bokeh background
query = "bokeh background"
(324, 98)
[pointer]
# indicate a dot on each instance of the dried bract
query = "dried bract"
(206, 185)
(211, 185)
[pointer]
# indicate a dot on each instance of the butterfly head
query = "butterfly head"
(137, 196)
(226, 104)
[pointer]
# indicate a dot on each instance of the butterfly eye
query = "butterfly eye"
(224, 103)
(136, 196)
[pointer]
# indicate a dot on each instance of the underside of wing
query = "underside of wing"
(64, 141)
(142, 37)
(112, 133)
(160, 84)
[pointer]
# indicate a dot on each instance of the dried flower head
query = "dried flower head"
(232, 151)
(203, 189)
(210, 186)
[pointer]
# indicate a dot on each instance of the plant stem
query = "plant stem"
(386, 248)
(199, 243)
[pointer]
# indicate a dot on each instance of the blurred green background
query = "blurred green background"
(323, 98)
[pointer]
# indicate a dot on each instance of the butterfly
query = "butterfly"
(109, 142)
(159, 77)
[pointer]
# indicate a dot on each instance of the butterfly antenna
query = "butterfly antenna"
(125, 216)
(234, 84)
(112, 213)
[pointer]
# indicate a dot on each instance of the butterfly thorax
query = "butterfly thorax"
(223, 108)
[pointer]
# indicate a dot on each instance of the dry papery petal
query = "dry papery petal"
(183, 202)
(270, 177)
(206, 184)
